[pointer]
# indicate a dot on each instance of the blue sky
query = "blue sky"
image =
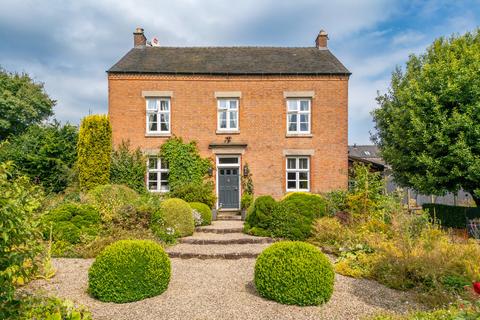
(68, 45)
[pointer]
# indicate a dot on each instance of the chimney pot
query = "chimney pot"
(321, 40)
(139, 39)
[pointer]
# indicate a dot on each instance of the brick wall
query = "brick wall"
(262, 121)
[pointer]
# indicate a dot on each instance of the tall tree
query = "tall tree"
(22, 103)
(428, 123)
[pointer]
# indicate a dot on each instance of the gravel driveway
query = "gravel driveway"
(221, 289)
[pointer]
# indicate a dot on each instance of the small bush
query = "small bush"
(128, 167)
(204, 211)
(260, 213)
(309, 205)
(195, 192)
(174, 216)
(294, 273)
(109, 198)
(129, 270)
(336, 201)
(246, 201)
(50, 308)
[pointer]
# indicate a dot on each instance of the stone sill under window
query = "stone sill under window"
(228, 132)
(158, 135)
(299, 135)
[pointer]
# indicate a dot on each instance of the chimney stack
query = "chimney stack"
(139, 39)
(322, 40)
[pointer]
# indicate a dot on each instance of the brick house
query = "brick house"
(283, 111)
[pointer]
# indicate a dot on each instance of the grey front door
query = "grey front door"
(228, 191)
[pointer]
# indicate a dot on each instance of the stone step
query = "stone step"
(228, 217)
(222, 226)
(232, 251)
(224, 239)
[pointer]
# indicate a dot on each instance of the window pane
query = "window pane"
(163, 126)
(292, 105)
(223, 119)
(303, 185)
(153, 126)
(164, 105)
(164, 176)
(152, 176)
(152, 185)
(152, 104)
(304, 105)
(303, 117)
(222, 104)
(291, 185)
(164, 186)
(291, 163)
(303, 175)
(152, 163)
(303, 163)
(227, 160)
(234, 171)
(163, 164)
(233, 120)
(304, 127)
(233, 104)
(291, 176)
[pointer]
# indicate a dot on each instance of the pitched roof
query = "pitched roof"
(367, 152)
(230, 61)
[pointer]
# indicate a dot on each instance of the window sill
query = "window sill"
(299, 135)
(227, 132)
(159, 135)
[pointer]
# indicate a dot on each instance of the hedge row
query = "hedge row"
(451, 216)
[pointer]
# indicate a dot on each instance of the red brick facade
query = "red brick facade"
(262, 122)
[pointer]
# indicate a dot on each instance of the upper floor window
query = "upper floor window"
(298, 174)
(228, 114)
(158, 115)
(298, 116)
(157, 177)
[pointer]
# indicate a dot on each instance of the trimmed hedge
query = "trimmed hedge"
(309, 205)
(259, 214)
(94, 150)
(294, 273)
(204, 211)
(129, 270)
(451, 216)
(174, 214)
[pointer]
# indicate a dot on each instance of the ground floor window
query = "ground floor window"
(298, 173)
(157, 177)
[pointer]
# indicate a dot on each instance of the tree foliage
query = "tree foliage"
(94, 151)
(428, 123)
(128, 167)
(45, 153)
(184, 161)
(22, 103)
(19, 232)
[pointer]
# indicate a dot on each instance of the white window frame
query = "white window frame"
(157, 110)
(299, 112)
(158, 171)
(228, 110)
(297, 172)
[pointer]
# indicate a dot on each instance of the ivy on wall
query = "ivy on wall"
(184, 161)
(247, 181)
(94, 151)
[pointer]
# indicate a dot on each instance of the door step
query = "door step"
(229, 215)
(224, 226)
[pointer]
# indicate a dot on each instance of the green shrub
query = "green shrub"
(129, 270)
(451, 216)
(204, 211)
(70, 220)
(330, 234)
(294, 273)
(20, 233)
(94, 151)
(109, 198)
(287, 222)
(128, 167)
(335, 201)
(260, 213)
(309, 205)
(50, 308)
(195, 192)
(246, 201)
(174, 216)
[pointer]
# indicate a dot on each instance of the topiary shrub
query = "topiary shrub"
(109, 198)
(204, 211)
(175, 217)
(287, 222)
(94, 151)
(69, 221)
(309, 205)
(294, 273)
(129, 270)
(259, 214)
(195, 192)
